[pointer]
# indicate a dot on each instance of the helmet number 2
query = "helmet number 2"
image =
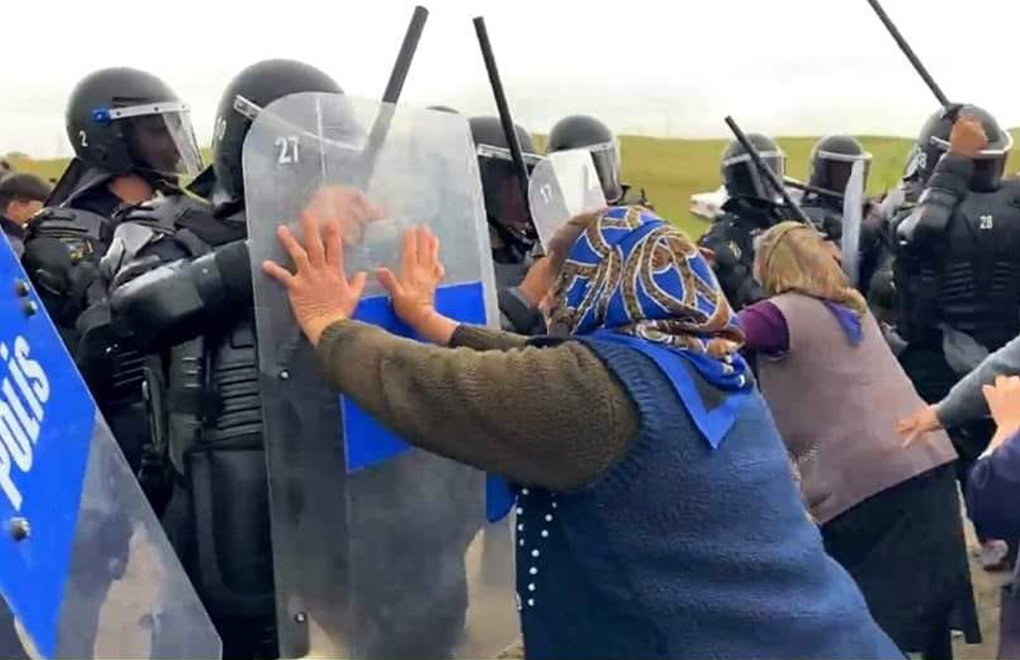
(83, 138)
(288, 147)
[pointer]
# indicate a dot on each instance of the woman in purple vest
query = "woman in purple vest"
(890, 515)
(656, 516)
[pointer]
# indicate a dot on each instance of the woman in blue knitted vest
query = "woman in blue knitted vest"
(656, 514)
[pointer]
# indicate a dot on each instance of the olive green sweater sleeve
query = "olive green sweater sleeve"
(481, 338)
(550, 417)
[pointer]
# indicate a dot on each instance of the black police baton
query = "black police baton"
(501, 105)
(380, 129)
(407, 49)
(807, 187)
(766, 171)
(952, 110)
(395, 85)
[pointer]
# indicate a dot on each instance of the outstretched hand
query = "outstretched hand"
(350, 206)
(413, 291)
(320, 294)
(914, 427)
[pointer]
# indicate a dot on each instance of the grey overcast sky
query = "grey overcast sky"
(656, 67)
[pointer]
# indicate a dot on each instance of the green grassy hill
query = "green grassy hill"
(671, 170)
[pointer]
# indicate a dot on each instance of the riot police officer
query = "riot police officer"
(878, 242)
(181, 289)
(753, 206)
(584, 132)
(210, 402)
(957, 268)
(511, 231)
(832, 159)
(132, 137)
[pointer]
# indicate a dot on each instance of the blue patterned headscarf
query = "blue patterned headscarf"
(634, 279)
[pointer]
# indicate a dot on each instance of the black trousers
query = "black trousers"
(933, 378)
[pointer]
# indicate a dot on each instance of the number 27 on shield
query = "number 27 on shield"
(288, 147)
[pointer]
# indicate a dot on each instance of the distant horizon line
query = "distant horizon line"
(16, 155)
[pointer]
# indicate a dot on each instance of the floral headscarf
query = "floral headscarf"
(632, 278)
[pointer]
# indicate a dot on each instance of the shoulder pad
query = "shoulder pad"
(893, 201)
(163, 213)
(819, 214)
(66, 223)
(1011, 186)
(129, 239)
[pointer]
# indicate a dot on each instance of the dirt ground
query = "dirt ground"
(986, 589)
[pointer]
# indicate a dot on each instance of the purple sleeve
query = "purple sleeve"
(993, 492)
(765, 328)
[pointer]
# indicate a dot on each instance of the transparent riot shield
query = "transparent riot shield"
(379, 549)
(853, 212)
(85, 569)
(563, 185)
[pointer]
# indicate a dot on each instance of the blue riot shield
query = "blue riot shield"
(377, 547)
(85, 569)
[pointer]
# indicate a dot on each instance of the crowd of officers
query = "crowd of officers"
(140, 275)
(939, 255)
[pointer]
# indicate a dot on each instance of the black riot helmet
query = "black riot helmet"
(584, 132)
(934, 141)
(123, 120)
(832, 160)
(250, 91)
(741, 176)
(505, 205)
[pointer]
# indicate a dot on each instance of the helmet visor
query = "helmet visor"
(504, 200)
(160, 137)
(606, 157)
(837, 168)
(744, 177)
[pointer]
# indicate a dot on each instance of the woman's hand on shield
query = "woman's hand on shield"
(413, 291)
(351, 207)
(320, 294)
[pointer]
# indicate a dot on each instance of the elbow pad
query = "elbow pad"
(952, 174)
(234, 264)
(949, 184)
(159, 308)
(181, 300)
(927, 222)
